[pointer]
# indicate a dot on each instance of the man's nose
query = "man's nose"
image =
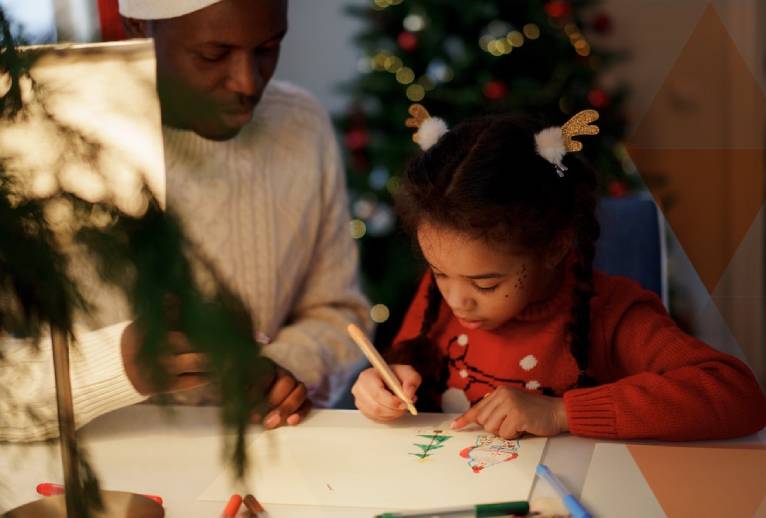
(244, 75)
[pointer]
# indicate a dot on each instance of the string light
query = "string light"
(515, 38)
(414, 22)
(415, 93)
(379, 313)
(364, 207)
(379, 59)
(392, 64)
(531, 31)
(378, 178)
(582, 47)
(484, 42)
(358, 228)
(405, 75)
(571, 30)
(392, 185)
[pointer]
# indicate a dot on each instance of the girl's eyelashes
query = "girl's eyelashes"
(483, 289)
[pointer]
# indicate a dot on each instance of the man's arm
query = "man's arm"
(27, 387)
(314, 346)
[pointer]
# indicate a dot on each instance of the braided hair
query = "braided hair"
(484, 178)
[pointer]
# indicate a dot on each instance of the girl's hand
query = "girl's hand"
(509, 412)
(373, 399)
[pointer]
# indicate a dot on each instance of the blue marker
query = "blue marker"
(577, 510)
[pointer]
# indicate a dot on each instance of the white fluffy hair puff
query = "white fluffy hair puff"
(550, 145)
(430, 131)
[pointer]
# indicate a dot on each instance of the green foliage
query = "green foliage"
(168, 283)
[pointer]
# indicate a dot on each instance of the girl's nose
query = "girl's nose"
(460, 300)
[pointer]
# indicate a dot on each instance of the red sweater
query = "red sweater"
(654, 381)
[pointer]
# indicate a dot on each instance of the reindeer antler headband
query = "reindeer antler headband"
(555, 142)
(551, 143)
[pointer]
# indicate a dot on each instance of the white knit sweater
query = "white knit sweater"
(269, 208)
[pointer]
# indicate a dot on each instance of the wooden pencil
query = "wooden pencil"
(380, 365)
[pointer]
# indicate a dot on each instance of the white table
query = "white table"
(176, 453)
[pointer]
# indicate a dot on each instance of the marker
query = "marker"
(577, 510)
(252, 505)
(232, 508)
(482, 510)
(51, 489)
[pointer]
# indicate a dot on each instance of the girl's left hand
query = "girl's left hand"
(509, 412)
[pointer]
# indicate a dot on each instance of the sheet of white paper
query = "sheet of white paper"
(377, 467)
(615, 487)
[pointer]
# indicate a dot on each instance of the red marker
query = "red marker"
(50, 489)
(232, 508)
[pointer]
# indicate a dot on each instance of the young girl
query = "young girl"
(512, 326)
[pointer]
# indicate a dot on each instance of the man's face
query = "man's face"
(213, 64)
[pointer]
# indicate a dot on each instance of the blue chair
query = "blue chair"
(632, 242)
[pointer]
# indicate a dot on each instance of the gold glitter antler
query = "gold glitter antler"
(419, 115)
(579, 124)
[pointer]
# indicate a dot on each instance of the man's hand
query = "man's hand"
(288, 401)
(509, 412)
(183, 367)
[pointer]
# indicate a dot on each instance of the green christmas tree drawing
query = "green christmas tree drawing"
(435, 441)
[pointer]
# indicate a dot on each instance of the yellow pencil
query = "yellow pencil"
(380, 365)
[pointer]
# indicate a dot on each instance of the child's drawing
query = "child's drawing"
(490, 450)
(435, 441)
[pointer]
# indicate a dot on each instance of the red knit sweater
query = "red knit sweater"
(654, 381)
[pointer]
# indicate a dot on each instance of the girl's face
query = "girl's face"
(485, 285)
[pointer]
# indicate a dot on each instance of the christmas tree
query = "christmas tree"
(462, 59)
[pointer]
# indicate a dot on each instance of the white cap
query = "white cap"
(159, 9)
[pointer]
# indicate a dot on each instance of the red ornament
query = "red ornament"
(407, 41)
(602, 24)
(356, 139)
(617, 188)
(598, 98)
(558, 8)
(495, 90)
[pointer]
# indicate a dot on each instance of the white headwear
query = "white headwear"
(159, 9)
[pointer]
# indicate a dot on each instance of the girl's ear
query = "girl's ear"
(558, 249)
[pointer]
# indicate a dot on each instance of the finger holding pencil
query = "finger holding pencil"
(381, 404)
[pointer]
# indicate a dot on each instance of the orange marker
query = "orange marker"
(50, 489)
(232, 508)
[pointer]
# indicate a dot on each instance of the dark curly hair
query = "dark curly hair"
(484, 178)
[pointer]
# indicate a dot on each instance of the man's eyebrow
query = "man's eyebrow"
(220, 44)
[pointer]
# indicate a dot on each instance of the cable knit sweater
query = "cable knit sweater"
(654, 380)
(269, 208)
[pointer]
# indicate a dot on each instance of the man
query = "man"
(253, 170)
